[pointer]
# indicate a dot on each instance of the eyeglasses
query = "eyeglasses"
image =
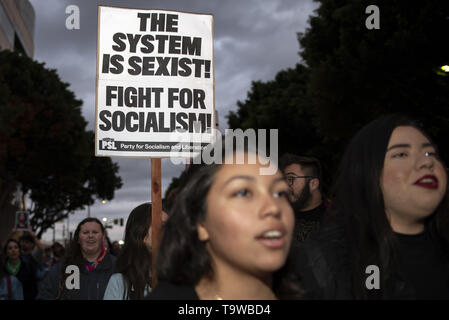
(291, 178)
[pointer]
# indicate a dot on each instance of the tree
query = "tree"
(283, 104)
(351, 75)
(357, 74)
(279, 104)
(45, 149)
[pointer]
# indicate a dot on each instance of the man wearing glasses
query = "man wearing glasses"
(303, 175)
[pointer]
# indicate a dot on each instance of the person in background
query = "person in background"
(133, 280)
(228, 235)
(116, 248)
(303, 175)
(389, 237)
(95, 265)
(46, 263)
(58, 252)
(22, 267)
(31, 245)
(10, 286)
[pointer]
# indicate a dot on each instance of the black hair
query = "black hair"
(358, 202)
(57, 244)
(74, 255)
(310, 165)
(182, 258)
(5, 247)
(61, 247)
(134, 260)
(4, 257)
(110, 249)
(27, 237)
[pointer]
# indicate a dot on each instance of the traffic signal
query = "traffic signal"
(121, 222)
(115, 221)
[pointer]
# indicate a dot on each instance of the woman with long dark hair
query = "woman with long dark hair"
(23, 267)
(95, 266)
(10, 265)
(390, 236)
(133, 278)
(228, 235)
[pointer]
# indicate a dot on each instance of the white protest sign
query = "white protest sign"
(155, 83)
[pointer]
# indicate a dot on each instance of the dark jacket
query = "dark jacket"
(92, 284)
(169, 291)
(309, 222)
(324, 262)
(321, 262)
(27, 275)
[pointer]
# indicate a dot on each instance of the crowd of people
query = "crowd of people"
(380, 232)
(25, 263)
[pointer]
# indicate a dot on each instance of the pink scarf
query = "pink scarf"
(92, 265)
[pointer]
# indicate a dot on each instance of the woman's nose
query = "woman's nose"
(426, 160)
(270, 206)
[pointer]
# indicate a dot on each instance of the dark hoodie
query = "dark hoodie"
(92, 284)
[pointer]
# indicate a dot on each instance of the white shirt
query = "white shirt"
(116, 288)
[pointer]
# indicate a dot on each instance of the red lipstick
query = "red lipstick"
(428, 181)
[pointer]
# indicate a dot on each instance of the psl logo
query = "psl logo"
(108, 144)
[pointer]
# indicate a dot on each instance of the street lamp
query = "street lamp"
(88, 207)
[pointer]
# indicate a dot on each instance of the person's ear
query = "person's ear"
(203, 235)
(314, 184)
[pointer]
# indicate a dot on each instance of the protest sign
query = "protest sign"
(155, 83)
(22, 220)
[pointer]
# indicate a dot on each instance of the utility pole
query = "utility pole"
(63, 234)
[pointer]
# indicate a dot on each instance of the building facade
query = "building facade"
(17, 19)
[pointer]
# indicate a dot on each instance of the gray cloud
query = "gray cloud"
(253, 40)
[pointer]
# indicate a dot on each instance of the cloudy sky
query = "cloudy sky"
(253, 40)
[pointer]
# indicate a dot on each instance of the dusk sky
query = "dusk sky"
(253, 40)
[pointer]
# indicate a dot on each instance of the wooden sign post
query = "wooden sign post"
(156, 200)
